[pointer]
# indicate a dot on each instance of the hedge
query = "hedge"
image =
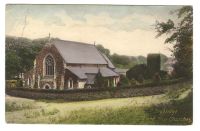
(151, 84)
(92, 94)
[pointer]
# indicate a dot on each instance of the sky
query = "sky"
(125, 30)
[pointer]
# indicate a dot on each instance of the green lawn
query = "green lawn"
(174, 107)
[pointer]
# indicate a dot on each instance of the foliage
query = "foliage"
(124, 115)
(124, 81)
(133, 82)
(181, 36)
(134, 110)
(15, 106)
(11, 83)
(173, 113)
(156, 78)
(141, 60)
(50, 112)
(163, 74)
(20, 54)
(100, 81)
(103, 50)
(13, 64)
(122, 61)
(153, 64)
(138, 72)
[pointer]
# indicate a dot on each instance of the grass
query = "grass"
(173, 113)
(174, 107)
(15, 106)
(124, 115)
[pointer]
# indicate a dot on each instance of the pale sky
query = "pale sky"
(126, 30)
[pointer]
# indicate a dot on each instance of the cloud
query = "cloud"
(54, 20)
(131, 34)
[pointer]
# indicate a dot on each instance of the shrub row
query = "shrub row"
(13, 83)
(151, 84)
(90, 94)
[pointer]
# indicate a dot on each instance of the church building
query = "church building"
(69, 65)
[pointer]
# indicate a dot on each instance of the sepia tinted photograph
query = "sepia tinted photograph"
(99, 64)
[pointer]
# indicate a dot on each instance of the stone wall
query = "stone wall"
(59, 68)
(29, 79)
(69, 75)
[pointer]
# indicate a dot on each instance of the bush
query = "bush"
(140, 79)
(173, 113)
(163, 74)
(124, 81)
(133, 82)
(100, 81)
(19, 83)
(156, 78)
(137, 72)
(11, 83)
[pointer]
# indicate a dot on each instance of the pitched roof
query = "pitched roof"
(79, 53)
(82, 72)
(90, 78)
(108, 61)
(119, 70)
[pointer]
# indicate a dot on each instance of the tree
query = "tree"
(120, 59)
(20, 54)
(103, 50)
(181, 36)
(137, 72)
(13, 65)
(141, 60)
(100, 81)
(124, 81)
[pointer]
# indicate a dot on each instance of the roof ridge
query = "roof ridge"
(102, 54)
(79, 53)
(74, 42)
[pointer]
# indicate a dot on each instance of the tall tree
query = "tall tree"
(20, 54)
(181, 36)
(13, 65)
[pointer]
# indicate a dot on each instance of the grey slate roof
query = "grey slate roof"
(90, 78)
(82, 72)
(79, 53)
(108, 61)
(121, 71)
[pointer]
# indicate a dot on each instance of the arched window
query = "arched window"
(49, 65)
(47, 87)
(70, 83)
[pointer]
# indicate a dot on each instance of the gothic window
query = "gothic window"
(47, 87)
(70, 83)
(49, 65)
